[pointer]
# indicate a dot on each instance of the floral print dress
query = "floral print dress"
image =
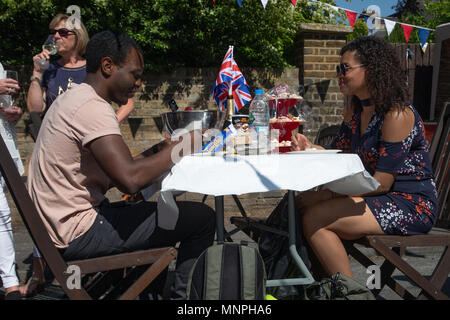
(410, 207)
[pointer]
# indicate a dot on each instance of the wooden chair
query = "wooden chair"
(129, 264)
(392, 248)
(326, 134)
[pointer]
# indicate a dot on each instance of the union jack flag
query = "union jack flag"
(230, 75)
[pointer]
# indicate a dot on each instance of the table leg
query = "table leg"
(308, 278)
(219, 218)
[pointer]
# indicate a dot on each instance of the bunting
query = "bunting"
(389, 24)
(370, 29)
(423, 36)
(407, 29)
(351, 15)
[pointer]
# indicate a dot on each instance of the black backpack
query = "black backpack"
(228, 271)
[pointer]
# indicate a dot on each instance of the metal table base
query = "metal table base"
(307, 277)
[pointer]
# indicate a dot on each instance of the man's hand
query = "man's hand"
(186, 144)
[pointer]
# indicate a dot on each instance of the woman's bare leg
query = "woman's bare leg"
(326, 223)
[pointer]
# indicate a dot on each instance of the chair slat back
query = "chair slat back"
(440, 158)
(33, 222)
(325, 135)
(435, 142)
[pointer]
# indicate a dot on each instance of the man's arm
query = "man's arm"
(130, 174)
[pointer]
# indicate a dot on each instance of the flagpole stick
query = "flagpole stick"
(230, 88)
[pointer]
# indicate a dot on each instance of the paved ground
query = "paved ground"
(424, 259)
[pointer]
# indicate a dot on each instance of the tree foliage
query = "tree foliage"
(172, 33)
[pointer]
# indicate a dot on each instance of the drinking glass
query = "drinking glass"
(7, 101)
(51, 46)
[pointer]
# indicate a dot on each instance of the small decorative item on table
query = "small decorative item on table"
(280, 99)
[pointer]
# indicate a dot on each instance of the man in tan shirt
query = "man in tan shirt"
(80, 153)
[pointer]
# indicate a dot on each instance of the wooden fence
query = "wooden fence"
(419, 68)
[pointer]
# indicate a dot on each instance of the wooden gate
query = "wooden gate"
(419, 70)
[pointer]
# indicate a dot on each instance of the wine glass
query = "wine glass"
(7, 101)
(51, 46)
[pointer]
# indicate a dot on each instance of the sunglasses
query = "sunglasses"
(63, 32)
(342, 68)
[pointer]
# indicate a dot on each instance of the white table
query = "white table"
(234, 175)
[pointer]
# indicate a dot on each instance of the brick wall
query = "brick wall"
(319, 57)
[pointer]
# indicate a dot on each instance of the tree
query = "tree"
(405, 7)
(172, 33)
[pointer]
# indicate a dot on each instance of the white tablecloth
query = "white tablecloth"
(222, 175)
(226, 175)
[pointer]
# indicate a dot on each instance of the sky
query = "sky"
(360, 5)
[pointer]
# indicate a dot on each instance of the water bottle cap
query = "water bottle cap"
(259, 91)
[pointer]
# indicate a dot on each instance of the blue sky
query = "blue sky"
(360, 5)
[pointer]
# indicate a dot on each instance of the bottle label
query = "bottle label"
(251, 118)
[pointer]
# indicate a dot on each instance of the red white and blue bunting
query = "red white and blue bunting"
(353, 15)
(389, 24)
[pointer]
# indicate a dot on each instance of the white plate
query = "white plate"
(209, 154)
(315, 151)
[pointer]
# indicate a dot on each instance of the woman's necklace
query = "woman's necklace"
(366, 102)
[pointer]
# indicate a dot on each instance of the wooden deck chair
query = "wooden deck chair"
(392, 248)
(158, 258)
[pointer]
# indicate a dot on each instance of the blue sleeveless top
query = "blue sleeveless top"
(410, 207)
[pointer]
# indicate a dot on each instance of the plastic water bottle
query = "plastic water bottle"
(259, 119)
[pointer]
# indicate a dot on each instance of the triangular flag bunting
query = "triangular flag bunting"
(389, 25)
(294, 2)
(368, 26)
(264, 3)
(407, 29)
(239, 2)
(332, 16)
(351, 15)
(423, 36)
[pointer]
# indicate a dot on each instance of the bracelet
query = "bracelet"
(37, 80)
(155, 149)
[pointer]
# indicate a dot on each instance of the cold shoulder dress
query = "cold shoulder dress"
(410, 207)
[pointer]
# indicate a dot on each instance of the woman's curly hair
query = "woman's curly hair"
(385, 79)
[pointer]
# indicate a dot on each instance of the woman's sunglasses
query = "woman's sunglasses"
(63, 32)
(342, 68)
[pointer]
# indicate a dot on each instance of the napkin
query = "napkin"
(166, 205)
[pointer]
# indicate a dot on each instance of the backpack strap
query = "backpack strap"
(213, 266)
(248, 272)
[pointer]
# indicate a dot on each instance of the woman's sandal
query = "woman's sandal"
(33, 286)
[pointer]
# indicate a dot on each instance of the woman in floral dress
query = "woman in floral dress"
(388, 135)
